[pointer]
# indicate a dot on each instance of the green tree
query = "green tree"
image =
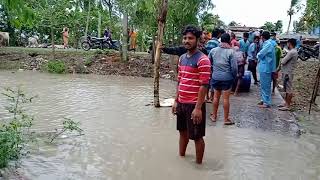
(278, 26)
(209, 21)
(269, 26)
(294, 8)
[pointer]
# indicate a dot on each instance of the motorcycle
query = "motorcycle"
(101, 43)
(306, 52)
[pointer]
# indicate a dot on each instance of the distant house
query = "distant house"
(306, 38)
(239, 30)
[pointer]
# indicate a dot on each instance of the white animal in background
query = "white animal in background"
(4, 39)
(33, 41)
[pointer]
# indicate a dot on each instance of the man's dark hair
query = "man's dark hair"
(246, 35)
(222, 31)
(266, 35)
(256, 37)
(225, 38)
(215, 32)
(193, 30)
(273, 34)
(293, 42)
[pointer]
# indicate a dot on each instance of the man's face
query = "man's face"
(189, 41)
(245, 38)
(289, 45)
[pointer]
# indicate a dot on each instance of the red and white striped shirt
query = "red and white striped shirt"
(193, 72)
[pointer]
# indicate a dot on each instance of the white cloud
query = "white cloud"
(254, 12)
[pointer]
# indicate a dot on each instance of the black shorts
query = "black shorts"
(221, 85)
(184, 121)
(252, 66)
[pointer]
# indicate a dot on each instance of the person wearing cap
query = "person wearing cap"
(266, 65)
(251, 35)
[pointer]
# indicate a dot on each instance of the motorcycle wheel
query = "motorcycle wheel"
(303, 56)
(86, 46)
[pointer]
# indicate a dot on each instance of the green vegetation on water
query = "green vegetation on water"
(15, 132)
(56, 66)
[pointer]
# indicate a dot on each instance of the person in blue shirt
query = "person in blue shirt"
(252, 58)
(214, 42)
(251, 35)
(211, 44)
(299, 42)
(266, 65)
(244, 44)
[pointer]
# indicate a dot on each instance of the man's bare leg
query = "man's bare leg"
(200, 146)
(238, 86)
(275, 84)
(289, 99)
(183, 142)
(226, 105)
(215, 105)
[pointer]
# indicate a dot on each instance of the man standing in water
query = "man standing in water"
(193, 81)
(266, 65)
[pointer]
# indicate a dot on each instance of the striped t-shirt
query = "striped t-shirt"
(193, 72)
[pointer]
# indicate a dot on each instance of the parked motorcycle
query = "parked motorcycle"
(306, 52)
(101, 43)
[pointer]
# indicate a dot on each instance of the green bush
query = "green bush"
(15, 133)
(88, 62)
(58, 67)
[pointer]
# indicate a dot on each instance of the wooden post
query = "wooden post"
(161, 25)
(124, 55)
(315, 90)
(88, 20)
(99, 24)
(317, 82)
(153, 49)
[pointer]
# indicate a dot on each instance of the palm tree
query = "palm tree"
(291, 12)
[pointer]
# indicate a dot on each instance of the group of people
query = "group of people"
(214, 65)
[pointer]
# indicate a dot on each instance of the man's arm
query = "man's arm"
(204, 67)
(174, 50)
(265, 49)
(174, 106)
(287, 58)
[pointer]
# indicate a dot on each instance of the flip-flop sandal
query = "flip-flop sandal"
(260, 103)
(281, 105)
(284, 109)
(263, 106)
(228, 123)
(213, 119)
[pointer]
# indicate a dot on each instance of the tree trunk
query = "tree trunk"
(161, 25)
(153, 49)
(99, 24)
(88, 19)
(290, 16)
(52, 43)
(124, 55)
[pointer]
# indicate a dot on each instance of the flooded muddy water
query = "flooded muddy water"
(127, 140)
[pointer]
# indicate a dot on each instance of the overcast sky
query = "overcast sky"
(254, 12)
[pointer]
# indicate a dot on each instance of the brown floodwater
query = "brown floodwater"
(127, 140)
